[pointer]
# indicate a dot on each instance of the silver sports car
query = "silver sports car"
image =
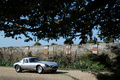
(34, 64)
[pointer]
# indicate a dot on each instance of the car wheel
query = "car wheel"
(18, 68)
(53, 71)
(40, 69)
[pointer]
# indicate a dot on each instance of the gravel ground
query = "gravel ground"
(8, 73)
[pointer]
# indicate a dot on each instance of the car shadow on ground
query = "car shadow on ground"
(48, 72)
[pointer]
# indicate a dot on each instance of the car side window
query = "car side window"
(25, 60)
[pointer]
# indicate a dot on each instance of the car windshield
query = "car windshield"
(34, 60)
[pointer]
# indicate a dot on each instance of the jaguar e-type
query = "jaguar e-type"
(35, 64)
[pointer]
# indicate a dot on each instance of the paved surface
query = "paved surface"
(8, 73)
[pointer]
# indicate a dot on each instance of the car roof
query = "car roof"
(29, 57)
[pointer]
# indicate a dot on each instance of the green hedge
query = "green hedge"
(84, 62)
(5, 63)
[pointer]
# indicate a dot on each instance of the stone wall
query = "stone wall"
(44, 52)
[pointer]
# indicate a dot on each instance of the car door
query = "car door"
(26, 64)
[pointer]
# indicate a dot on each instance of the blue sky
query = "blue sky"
(7, 42)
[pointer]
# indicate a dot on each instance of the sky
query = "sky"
(8, 42)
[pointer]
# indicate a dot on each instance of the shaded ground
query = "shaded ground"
(8, 73)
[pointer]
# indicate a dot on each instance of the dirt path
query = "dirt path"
(8, 73)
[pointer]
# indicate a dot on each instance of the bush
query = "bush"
(62, 60)
(83, 62)
(86, 62)
(4, 63)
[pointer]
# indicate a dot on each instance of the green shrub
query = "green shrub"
(5, 63)
(97, 66)
(83, 62)
(62, 60)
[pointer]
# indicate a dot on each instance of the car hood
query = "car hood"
(49, 63)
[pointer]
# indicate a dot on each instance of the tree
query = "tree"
(90, 41)
(108, 40)
(93, 41)
(68, 41)
(52, 19)
(53, 44)
(37, 44)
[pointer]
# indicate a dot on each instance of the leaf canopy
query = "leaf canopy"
(52, 19)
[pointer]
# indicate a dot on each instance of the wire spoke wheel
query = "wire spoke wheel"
(18, 69)
(40, 69)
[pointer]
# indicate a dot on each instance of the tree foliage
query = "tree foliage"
(53, 44)
(90, 41)
(108, 40)
(93, 41)
(52, 19)
(68, 41)
(37, 44)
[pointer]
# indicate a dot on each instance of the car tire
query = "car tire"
(40, 69)
(18, 68)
